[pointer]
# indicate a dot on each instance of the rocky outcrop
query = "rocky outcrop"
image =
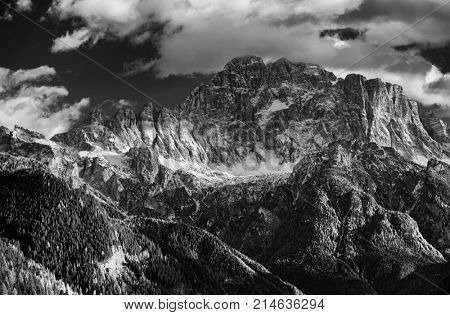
(5, 137)
(389, 118)
(26, 143)
(432, 211)
(435, 127)
(292, 109)
(96, 131)
(344, 221)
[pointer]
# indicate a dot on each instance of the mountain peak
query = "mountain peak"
(244, 61)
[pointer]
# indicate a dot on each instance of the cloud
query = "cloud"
(71, 41)
(6, 16)
(341, 36)
(201, 35)
(116, 18)
(438, 82)
(295, 19)
(41, 73)
(235, 26)
(27, 102)
(347, 33)
(213, 35)
(437, 55)
(138, 66)
(431, 29)
(404, 10)
(12, 79)
(24, 5)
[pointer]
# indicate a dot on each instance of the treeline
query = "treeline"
(20, 275)
(71, 235)
(173, 258)
(64, 230)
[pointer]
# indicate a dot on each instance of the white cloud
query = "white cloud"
(276, 8)
(215, 31)
(24, 101)
(24, 5)
(71, 41)
(212, 31)
(433, 75)
(43, 72)
(116, 17)
(10, 79)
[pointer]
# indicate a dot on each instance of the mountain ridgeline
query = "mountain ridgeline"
(275, 178)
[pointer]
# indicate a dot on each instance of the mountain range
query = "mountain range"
(273, 178)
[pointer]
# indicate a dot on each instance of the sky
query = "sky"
(50, 50)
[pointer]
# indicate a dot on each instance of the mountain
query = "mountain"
(335, 185)
(95, 250)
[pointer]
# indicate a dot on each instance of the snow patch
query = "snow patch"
(199, 170)
(49, 143)
(97, 152)
(446, 160)
(122, 147)
(265, 115)
(421, 160)
(277, 105)
(253, 167)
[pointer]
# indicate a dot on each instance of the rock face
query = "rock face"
(295, 108)
(432, 212)
(348, 215)
(435, 127)
(23, 142)
(5, 136)
(336, 185)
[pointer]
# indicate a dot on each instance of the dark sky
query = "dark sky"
(26, 46)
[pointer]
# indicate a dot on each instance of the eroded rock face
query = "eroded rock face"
(30, 144)
(343, 219)
(435, 127)
(5, 137)
(432, 212)
(293, 109)
(390, 119)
